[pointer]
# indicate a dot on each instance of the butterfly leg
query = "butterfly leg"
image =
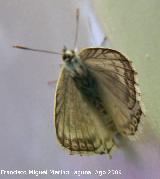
(104, 41)
(52, 82)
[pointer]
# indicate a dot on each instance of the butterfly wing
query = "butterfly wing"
(117, 82)
(78, 127)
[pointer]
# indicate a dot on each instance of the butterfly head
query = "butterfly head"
(68, 55)
(72, 62)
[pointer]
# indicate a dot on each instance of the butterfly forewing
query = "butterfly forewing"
(119, 90)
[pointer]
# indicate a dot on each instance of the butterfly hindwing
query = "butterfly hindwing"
(119, 90)
(79, 127)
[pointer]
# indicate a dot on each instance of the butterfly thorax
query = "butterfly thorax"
(73, 63)
(83, 78)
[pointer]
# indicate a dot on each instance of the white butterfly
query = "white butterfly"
(96, 98)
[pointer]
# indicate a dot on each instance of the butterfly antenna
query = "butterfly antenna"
(105, 38)
(36, 50)
(77, 29)
(90, 28)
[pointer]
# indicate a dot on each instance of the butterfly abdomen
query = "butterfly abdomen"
(87, 84)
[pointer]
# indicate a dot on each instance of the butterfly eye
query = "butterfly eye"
(65, 57)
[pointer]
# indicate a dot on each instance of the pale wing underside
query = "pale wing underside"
(79, 128)
(119, 89)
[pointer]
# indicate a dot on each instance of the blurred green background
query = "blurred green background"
(133, 28)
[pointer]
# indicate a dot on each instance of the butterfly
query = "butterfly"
(96, 98)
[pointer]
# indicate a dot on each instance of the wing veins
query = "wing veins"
(75, 122)
(87, 131)
(117, 79)
(126, 103)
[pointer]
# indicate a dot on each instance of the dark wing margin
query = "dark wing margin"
(117, 76)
